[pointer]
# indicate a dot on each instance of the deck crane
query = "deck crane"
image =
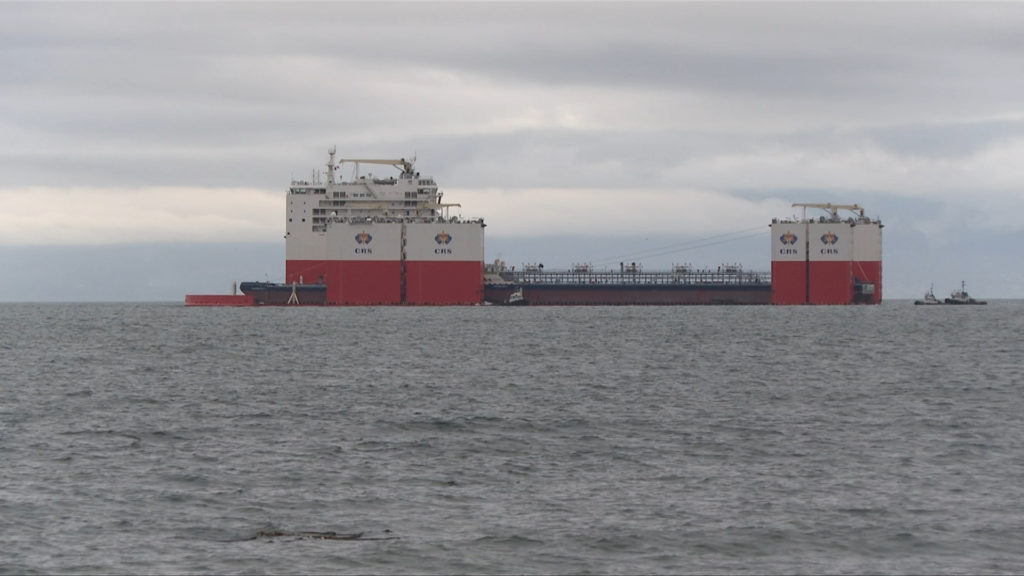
(833, 209)
(405, 166)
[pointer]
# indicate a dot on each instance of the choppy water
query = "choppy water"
(157, 438)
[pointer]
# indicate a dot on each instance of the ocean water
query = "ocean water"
(154, 438)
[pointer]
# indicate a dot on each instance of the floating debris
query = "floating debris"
(318, 535)
(310, 535)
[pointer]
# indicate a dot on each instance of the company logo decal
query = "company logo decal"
(788, 238)
(443, 238)
(363, 238)
(829, 239)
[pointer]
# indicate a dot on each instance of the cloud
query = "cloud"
(86, 216)
(615, 212)
(185, 121)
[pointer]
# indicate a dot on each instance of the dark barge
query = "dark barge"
(630, 285)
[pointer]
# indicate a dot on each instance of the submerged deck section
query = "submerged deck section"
(218, 300)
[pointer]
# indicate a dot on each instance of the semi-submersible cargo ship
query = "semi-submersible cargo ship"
(373, 241)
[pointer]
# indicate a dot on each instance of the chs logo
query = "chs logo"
(829, 239)
(788, 238)
(443, 238)
(363, 239)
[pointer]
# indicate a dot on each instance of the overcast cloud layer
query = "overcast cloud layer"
(123, 124)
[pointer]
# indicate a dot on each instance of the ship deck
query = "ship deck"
(697, 278)
(628, 287)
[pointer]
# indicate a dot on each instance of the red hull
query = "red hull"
(351, 283)
(218, 300)
(830, 283)
(444, 283)
(789, 282)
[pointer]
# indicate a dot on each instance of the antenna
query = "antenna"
(330, 164)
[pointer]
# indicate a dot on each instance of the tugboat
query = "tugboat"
(929, 298)
(516, 298)
(962, 297)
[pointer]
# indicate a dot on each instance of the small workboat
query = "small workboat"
(929, 298)
(962, 297)
(516, 298)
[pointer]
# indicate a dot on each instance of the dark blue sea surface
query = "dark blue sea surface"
(154, 438)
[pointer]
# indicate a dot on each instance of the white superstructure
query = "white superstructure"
(392, 227)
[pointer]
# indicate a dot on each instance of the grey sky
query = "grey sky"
(131, 123)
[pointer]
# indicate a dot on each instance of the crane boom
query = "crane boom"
(833, 209)
(402, 164)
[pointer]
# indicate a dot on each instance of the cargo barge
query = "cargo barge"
(629, 285)
(371, 241)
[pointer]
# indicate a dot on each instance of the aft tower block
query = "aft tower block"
(827, 260)
(376, 240)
